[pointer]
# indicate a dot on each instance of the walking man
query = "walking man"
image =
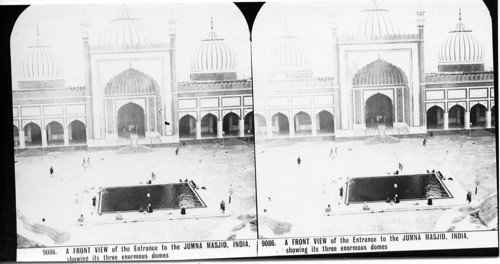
(230, 192)
(299, 160)
(336, 152)
(223, 206)
(469, 197)
(477, 183)
(341, 193)
(400, 167)
(51, 171)
(88, 161)
(331, 152)
(153, 176)
(424, 142)
(177, 151)
(94, 202)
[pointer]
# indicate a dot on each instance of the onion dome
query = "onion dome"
(379, 72)
(39, 63)
(375, 21)
(131, 81)
(214, 59)
(288, 59)
(125, 32)
(461, 51)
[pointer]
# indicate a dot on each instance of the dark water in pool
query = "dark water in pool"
(418, 186)
(131, 198)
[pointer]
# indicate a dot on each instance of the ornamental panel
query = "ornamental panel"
(109, 115)
(357, 106)
(151, 113)
(399, 102)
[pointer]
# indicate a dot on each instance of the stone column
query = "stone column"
(44, 137)
(22, 143)
(445, 120)
(313, 125)
(241, 127)
(219, 128)
(291, 127)
(488, 119)
(66, 137)
(198, 129)
(467, 119)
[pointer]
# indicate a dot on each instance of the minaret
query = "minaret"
(336, 80)
(174, 119)
(88, 90)
(421, 66)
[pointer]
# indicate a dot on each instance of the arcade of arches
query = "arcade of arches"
(211, 126)
(53, 134)
(458, 117)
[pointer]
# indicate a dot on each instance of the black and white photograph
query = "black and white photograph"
(132, 123)
(374, 117)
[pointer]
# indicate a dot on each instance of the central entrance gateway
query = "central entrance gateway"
(131, 120)
(379, 111)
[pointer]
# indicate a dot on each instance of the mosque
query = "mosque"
(131, 90)
(378, 80)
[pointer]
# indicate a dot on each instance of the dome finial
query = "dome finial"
(459, 14)
(37, 31)
(287, 30)
(211, 22)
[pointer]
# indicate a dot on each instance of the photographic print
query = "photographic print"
(132, 124)
(374, 117)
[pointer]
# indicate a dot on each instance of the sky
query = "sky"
(59, 27)
(310, 22)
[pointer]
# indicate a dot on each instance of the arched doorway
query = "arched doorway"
(77, 132)
(478, 115)
(435, 117)
(55, 133)
(325, 122)
(209, 126)
(280, 124)
(260, 124)
(187, 127)
(131, 120)
(32, 134)
(249, 124)
(456, 117)
(493, 115)
(378, 110)
(16, 136)
(230, 124)
(302, 123)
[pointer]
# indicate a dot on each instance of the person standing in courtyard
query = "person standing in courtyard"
(223, 206)
(153, 176)
(299, 161)
(336, 153)
(328, 209)
(469, 197)
(341, 193)
(424, 142)
(83, 163)
(94, 202)
(400, 167)
(331, 152)
(51, 171)
(88, 161)
(230, 191)
(477, 182)
(177, 151)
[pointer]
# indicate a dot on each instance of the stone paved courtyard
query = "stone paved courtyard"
(41, 196)
(300, 194)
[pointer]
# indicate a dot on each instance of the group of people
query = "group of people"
(86, 163)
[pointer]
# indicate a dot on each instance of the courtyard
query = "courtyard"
(299, 195)
(61, 199)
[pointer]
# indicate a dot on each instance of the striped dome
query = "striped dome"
(39, 63)
(288, 55)
(379, 72)
(132, 82)
(213, 55)
(125, 32)
(375, 22)
(461, 46)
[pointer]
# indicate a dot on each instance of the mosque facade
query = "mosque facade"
(379, 82)
(131, 91)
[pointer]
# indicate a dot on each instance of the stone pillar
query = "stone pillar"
(22, 143)
(210, 124)
(269, 128)
(488, 119)
(219, 128)
(44, 137)
(313, 125)
(198, 129)
(66, 137)
(467, 119)
(49, 132)
(241, 127)
(445, 120)
(291, 127)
